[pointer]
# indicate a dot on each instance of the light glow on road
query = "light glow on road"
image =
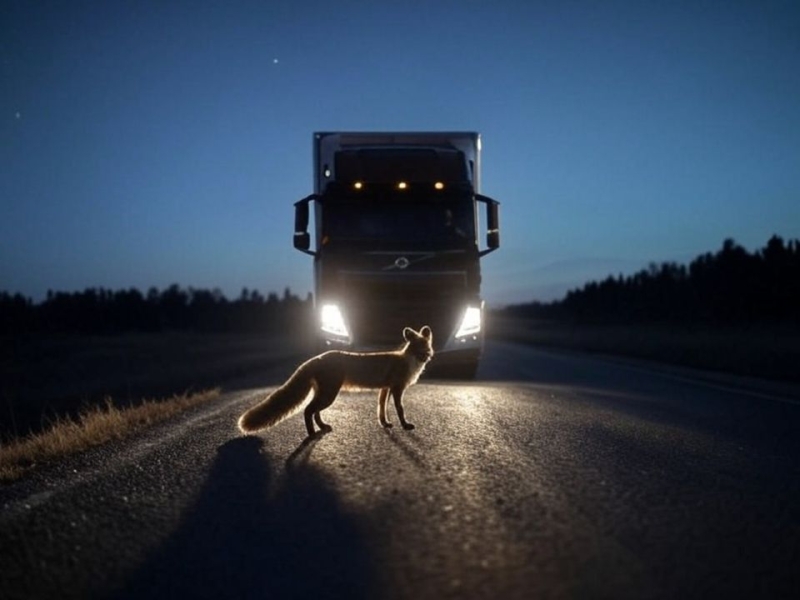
(471, 401)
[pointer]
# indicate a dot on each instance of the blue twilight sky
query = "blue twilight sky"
(149, 143)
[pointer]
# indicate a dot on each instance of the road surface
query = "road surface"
(552, 476)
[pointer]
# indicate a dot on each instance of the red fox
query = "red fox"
(335, 370)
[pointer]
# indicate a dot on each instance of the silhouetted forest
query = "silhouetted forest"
(729, 287)
(101, 311)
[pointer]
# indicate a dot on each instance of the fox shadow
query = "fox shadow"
(250, 536)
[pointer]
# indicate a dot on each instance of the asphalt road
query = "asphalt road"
(552, 476)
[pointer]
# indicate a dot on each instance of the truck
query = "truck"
(396, 224)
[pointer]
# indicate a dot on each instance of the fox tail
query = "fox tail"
(280, 404)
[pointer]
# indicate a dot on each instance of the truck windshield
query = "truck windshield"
(428, 225)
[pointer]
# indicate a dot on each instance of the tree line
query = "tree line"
(103, 311)
(731, 286)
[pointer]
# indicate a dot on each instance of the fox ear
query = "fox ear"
(409, 334)
(426, 332)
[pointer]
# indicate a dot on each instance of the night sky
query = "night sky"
(150, 143)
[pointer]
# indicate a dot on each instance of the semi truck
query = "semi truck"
(396, 224)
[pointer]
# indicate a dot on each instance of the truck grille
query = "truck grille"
(379, 306)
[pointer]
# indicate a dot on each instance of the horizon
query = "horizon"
(282, 291)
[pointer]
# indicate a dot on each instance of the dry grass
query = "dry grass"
(43, 377)
(94, 426)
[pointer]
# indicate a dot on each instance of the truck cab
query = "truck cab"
(396, 241)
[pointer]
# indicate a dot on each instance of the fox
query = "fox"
(326, 374)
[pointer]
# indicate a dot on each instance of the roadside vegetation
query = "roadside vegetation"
(99, 311)
(93, 426)
(731, 311)
(62, 358)
(764, 352)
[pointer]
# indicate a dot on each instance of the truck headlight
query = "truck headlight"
(332, 321)
(470, 323)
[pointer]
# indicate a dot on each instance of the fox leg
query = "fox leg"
(310, 414)
(382, 397)
(323, 398)
(307, 415)
(322, 425)
(397, 393)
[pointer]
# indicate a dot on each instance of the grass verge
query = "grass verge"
(93, 426)
(768, 352)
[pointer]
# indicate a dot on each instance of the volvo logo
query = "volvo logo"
(402, 262)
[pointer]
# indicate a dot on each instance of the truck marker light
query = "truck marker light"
(438, 185)
(402, 185)
(332, 321)
(470, 323)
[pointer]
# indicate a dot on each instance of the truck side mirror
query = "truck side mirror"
(302, 240)
(492, 223)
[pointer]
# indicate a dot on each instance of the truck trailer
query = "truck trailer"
(396, 241)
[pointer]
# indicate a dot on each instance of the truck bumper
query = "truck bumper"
(457, 359)
(458, 364)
